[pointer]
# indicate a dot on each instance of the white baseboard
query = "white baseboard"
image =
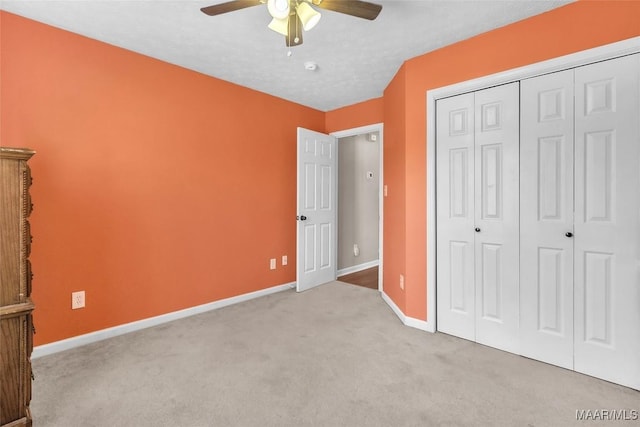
(406, 320)
(359, 267)
(103, 334)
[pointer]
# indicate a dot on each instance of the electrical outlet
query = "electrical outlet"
(77, 300)
(284, 260)
(401, 282)
(272, 263)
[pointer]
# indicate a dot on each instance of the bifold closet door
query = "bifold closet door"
(607, 220)
(546, 218)
(497, 148)
(580, 219)
(477, 215)
(455, 216)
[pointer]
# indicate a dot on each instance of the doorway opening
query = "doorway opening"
(360, 206)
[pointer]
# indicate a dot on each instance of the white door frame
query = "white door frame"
(377, 127)
(601, 53)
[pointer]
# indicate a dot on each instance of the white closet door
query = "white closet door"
(607, 220)
(496, 155)
(546, 218)
(455, 216)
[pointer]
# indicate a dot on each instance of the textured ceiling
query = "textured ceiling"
(356, 58)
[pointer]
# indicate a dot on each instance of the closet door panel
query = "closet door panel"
(546, 216)
(607, 220)
(455, 260)
(496, 216)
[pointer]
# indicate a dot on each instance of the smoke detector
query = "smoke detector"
(310, 66)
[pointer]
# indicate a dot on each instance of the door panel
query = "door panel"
(310, 185)
(310, 248)
(597, 298)
(491, 283)
(599, 194)
(546, 215)
(458, 293)
(551, 173)
(496, 157)
(454, 210)
(550, 285)
(607, 223)
(325, 245)
(459, 177)
(491, 184)
(316, 234)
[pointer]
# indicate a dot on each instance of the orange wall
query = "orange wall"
(155, 188)
(356, 115)
(395, 226)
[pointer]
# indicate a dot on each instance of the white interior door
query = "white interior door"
(497, 136)
(455, 216)
(317, 210)
(546, 218)
(607, 220)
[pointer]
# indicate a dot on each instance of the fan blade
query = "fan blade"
(360, 9)
(294, 38)
(230, 6)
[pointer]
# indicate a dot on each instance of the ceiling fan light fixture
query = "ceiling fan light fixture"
(279, 25)
(278, 9)
(308, 15)
(297, 15)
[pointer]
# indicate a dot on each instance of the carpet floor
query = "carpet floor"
(335, 355)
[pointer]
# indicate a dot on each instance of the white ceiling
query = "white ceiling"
(356, 58)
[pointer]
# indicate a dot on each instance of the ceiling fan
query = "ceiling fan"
(290, 17)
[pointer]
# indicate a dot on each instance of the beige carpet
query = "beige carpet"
(332, 356)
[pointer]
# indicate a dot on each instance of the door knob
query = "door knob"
(568, 234)
(477, 229)
(301, 218)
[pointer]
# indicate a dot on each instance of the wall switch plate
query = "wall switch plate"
(272, 263)
(77, 300)
(385, 191)
(402, 282)
(284, 260)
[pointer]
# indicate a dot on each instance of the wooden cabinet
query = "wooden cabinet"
(16, 327)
